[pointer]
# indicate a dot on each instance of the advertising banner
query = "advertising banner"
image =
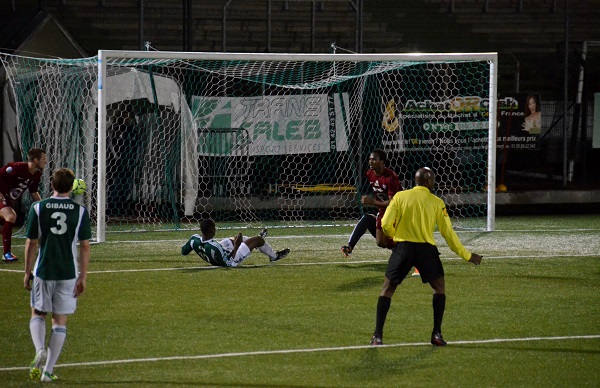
(429, 125)
(519, 121)
(460, 122)
(275, 125)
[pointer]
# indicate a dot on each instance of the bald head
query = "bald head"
(425, 177)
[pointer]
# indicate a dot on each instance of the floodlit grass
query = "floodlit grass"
(528, 316)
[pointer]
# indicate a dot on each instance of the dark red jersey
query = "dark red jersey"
(15, 178)
(384, 186)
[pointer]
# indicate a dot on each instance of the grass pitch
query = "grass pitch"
(528, 316)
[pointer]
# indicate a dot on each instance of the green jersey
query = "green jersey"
(210, 251)
(58, 223)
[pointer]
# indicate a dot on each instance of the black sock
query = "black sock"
(439, 305)
(367, 222)
(383, 306)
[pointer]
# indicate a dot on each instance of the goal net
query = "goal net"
(166, 139)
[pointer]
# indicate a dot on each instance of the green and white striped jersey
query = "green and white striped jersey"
(210, 251)
(58, 223)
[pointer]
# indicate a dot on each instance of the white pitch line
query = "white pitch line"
(347, 234)
(307, 350)
(347, 262)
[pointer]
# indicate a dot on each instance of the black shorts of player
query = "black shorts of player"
(425, 257)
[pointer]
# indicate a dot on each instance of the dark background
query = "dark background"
(528, 35)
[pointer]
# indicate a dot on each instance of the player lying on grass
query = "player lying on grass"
(231, 251)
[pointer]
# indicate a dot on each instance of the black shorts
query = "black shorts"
(405, 255)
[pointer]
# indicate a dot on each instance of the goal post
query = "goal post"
(435, 109)
(165, 139)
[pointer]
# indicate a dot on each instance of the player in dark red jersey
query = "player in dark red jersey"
(15, 178)
(384, 183)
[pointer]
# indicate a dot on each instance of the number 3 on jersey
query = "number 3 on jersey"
(61, 225)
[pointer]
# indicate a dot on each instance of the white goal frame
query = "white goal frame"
(105, 55)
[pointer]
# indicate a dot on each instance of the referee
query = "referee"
(410, 219)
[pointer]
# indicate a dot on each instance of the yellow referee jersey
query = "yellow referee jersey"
(412, 216)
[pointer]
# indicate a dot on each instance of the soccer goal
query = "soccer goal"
(165, 139)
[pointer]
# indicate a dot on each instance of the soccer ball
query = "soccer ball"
(501, 188)
(79, 186)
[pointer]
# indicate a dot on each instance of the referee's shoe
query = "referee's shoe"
(437, 339)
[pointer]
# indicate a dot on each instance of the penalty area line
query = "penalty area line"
(307, 350)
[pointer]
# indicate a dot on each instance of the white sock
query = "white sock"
(37, 328)
(57, 340)
(267, 250)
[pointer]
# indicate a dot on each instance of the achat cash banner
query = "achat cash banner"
(429, 125)
(272, 125)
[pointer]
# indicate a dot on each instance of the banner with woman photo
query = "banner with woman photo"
(519, 121)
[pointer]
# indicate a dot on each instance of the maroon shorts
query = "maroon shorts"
(6, 203)
(390, 243)
(380, 214)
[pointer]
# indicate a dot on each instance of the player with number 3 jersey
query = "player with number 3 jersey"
(54, 271)
(67, 221)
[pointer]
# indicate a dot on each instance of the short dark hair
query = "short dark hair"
(35, 153)
(62, 180)
(380, 153)
(207, 226)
